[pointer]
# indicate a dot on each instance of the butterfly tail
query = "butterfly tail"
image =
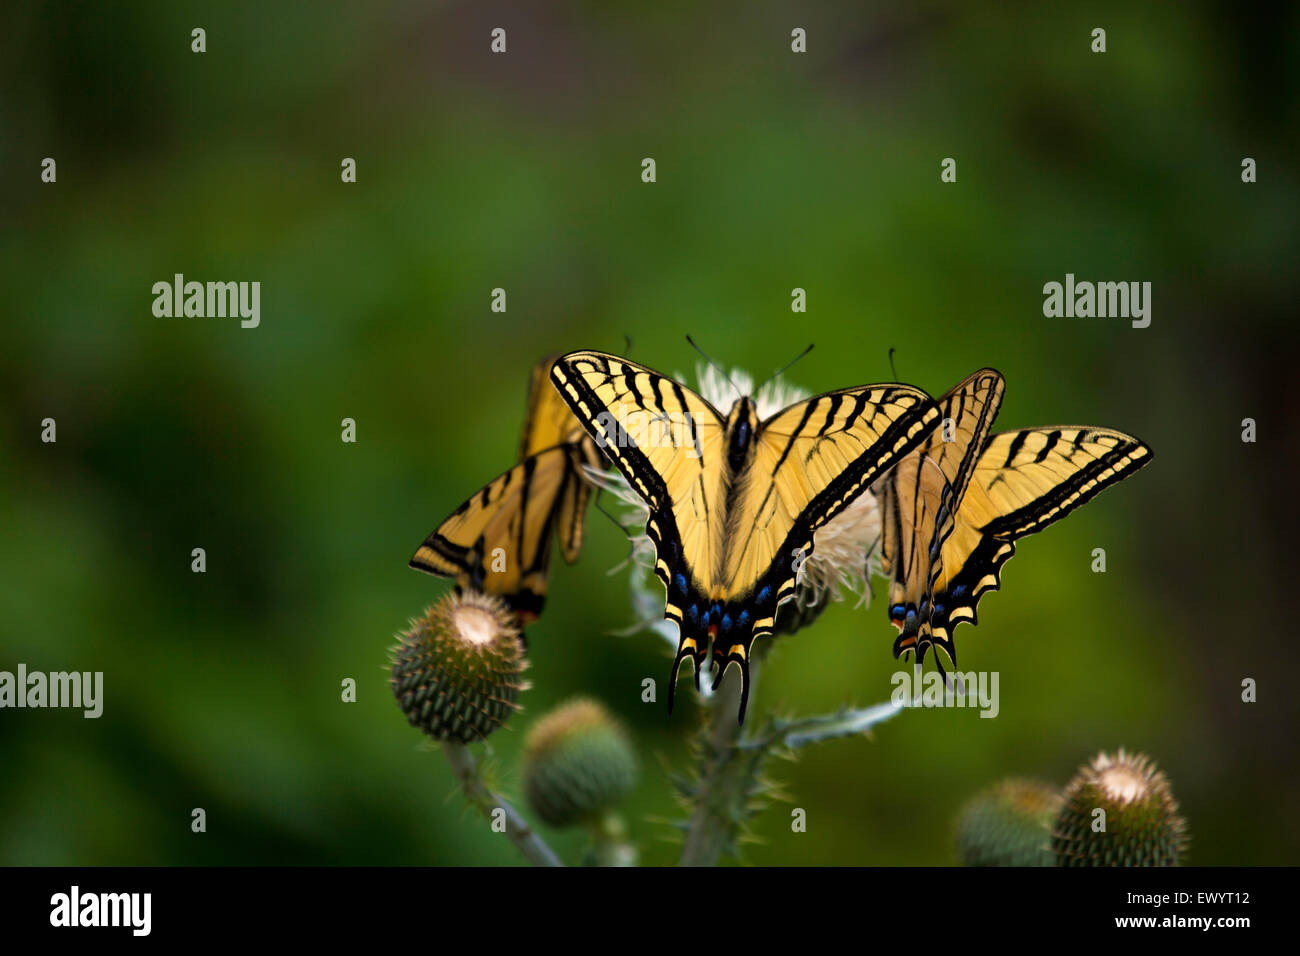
(686, 648)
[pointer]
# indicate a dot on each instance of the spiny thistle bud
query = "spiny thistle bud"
(1009, 824)
(578, 762)
(1141, 822)
(457, 671)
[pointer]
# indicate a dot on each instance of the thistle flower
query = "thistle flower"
(1139, 826)
(845, 555)
(457, 671)
(578, 763)
(1009, 824)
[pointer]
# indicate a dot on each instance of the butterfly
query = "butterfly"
(952, 510)
(734, 501)
(499, 541)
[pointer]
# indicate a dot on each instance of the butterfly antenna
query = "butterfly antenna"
(892, 371)
(714, 364)
(784, 368)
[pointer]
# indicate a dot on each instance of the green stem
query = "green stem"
(847, 722)
(532, 846)
(724, 780)
(729, 764)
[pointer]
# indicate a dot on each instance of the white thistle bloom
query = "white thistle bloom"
(846, 551)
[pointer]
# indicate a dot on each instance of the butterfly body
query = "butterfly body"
(733, 501)
(741, 424)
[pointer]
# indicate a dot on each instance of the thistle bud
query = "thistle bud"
(578, 763)
(1138, 824)
(1009, 824)
(457, 671)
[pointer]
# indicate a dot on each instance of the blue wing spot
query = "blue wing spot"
(693, 612)
(896, 611)
(959, 590)
(764, 594)
(743, 619)
(938, 609)
(911, 614)
(726, 622)
(680, 581)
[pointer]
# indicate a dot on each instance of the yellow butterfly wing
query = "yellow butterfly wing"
(1023, 481)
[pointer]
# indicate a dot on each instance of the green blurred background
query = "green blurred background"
(775, 170)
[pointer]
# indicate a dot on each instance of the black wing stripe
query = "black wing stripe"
(859, 403)
(1052, 439)
(530, 467)
(629, 382)
(681, 403)
(450, 551)
(656, 386)
(1016, 444)
(836, 401)
(809, 408)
